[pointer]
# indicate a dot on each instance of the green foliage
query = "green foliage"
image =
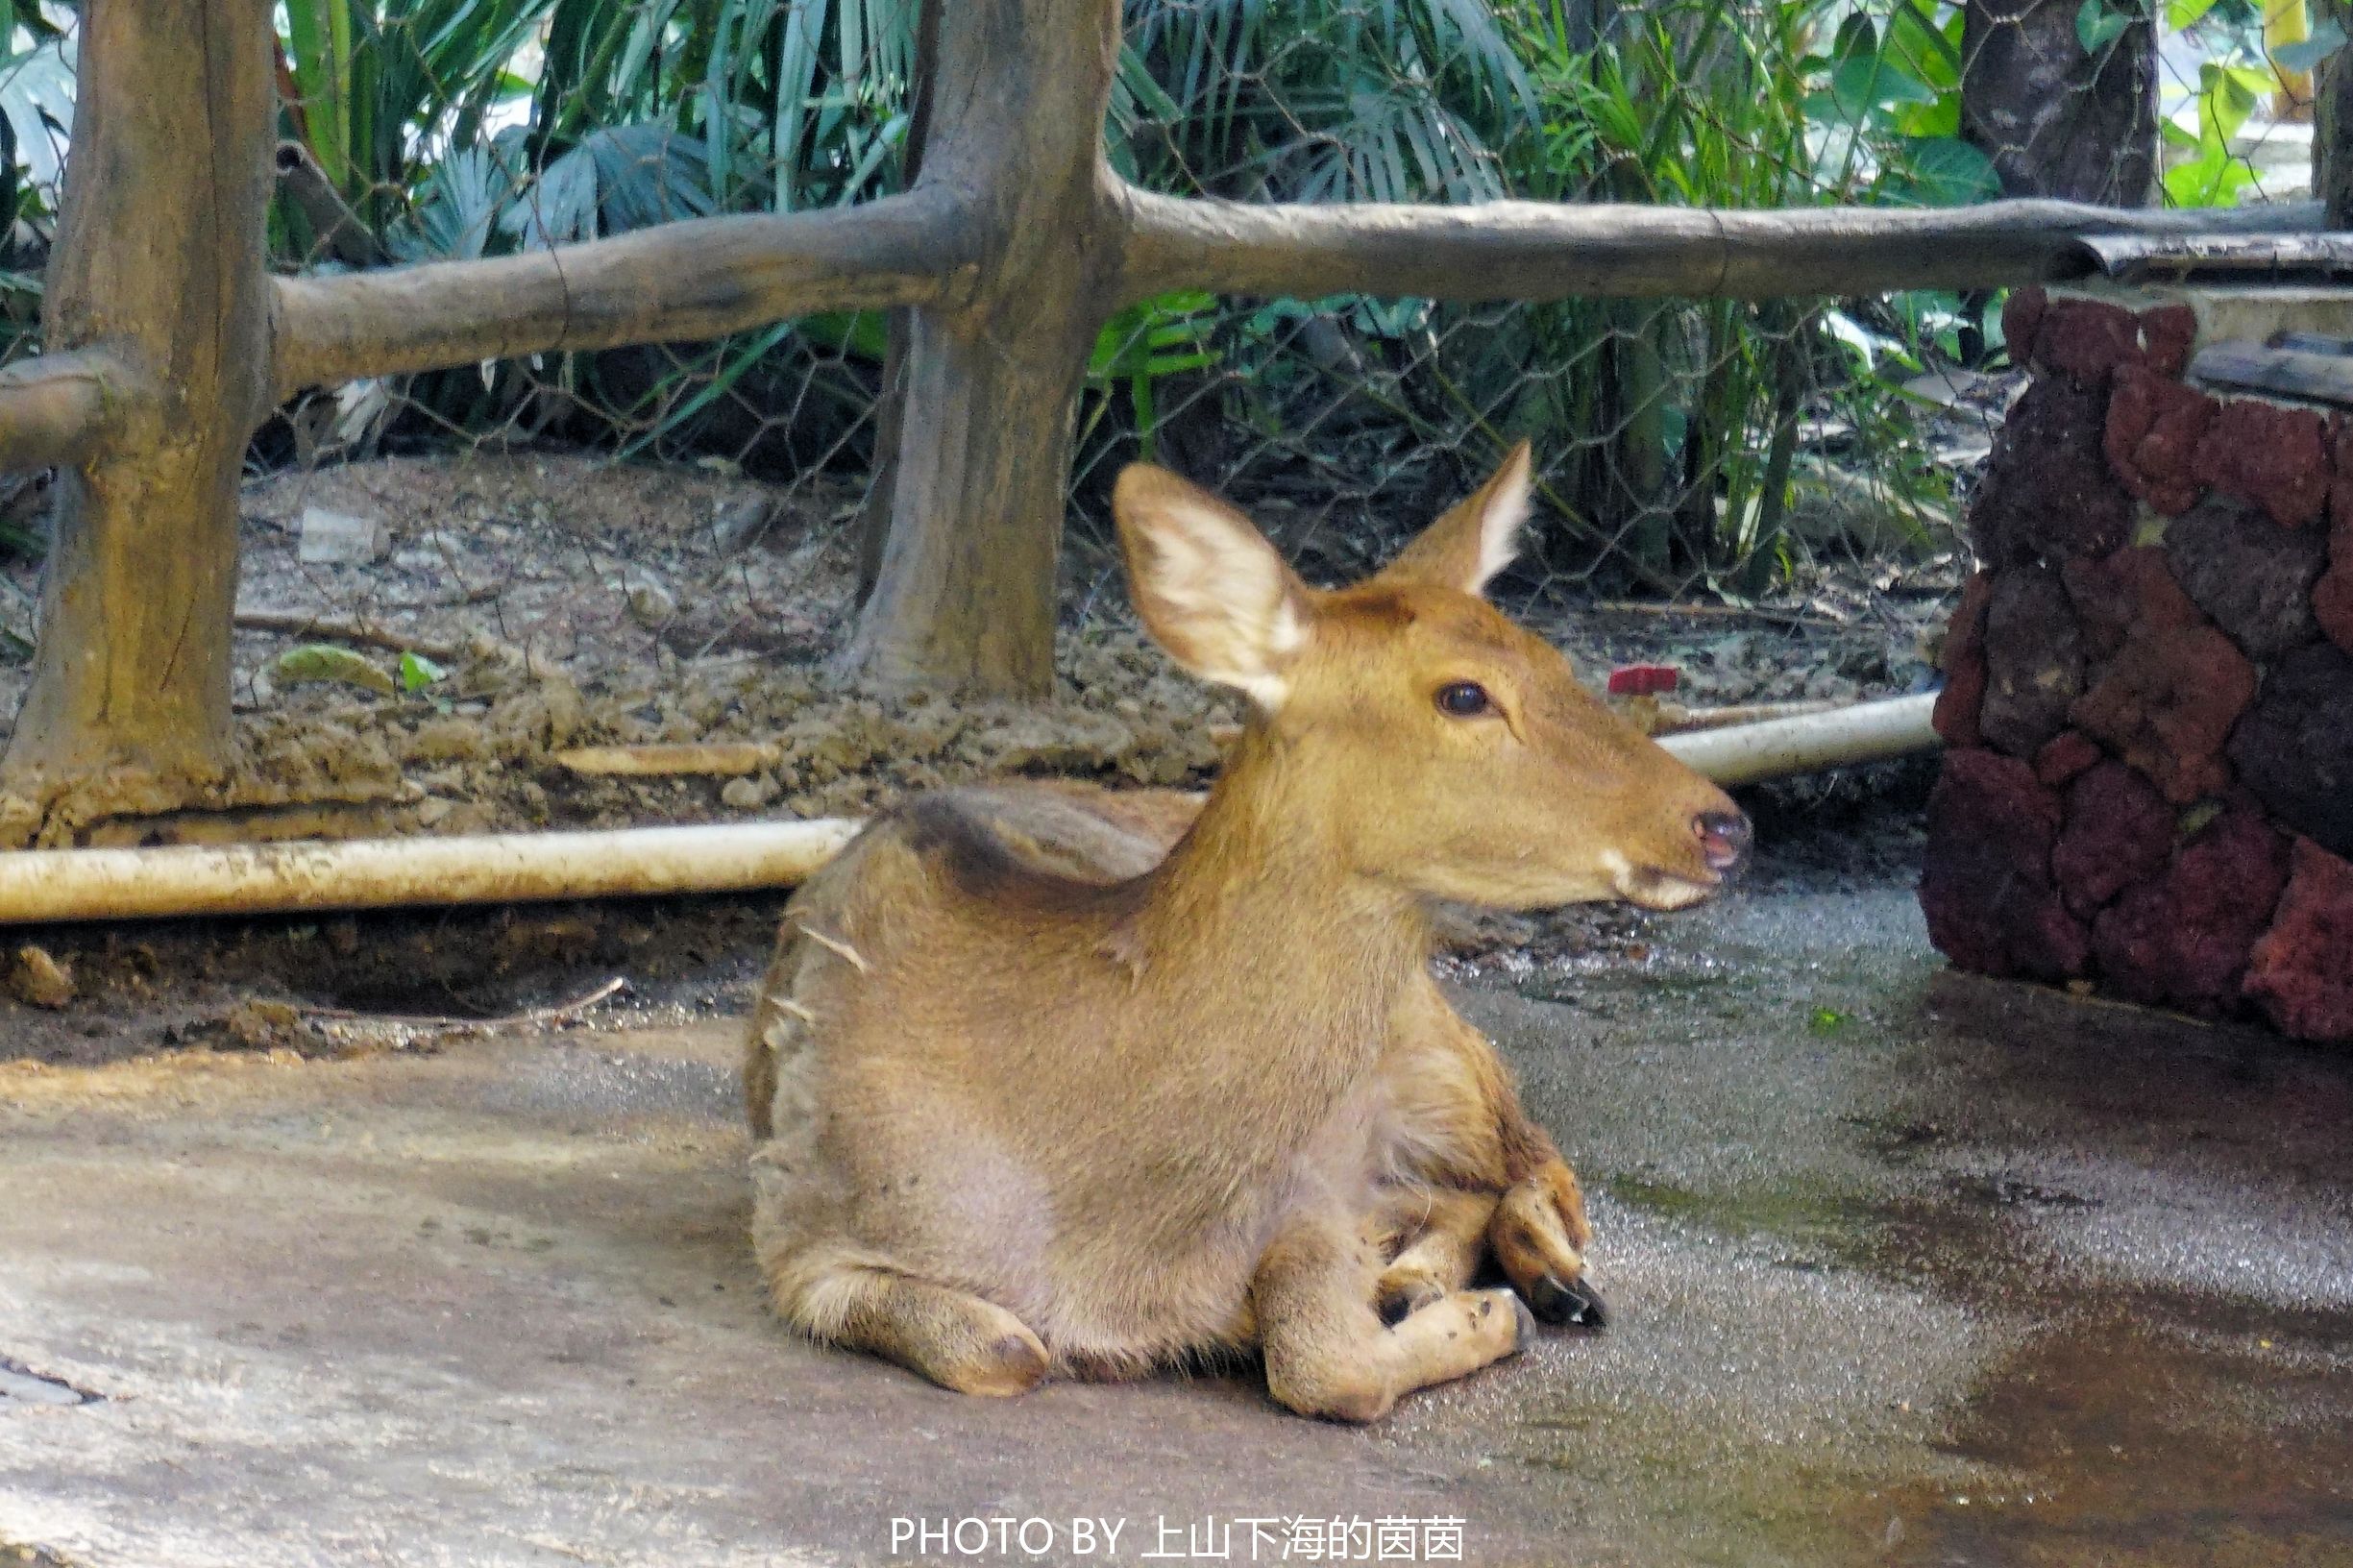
(2202, 169)
(1141, 346)
(1318, 100)
(1674, 425)
(417, 672)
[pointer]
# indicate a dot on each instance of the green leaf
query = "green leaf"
(2097, 25)
(1862, 83)
(1946, 171)
(1927, 121)
(1827, 1021)
(417, 672)
(1858, 38)
(315, 662)
(2213, 180)
(2327, 37)
(2181, 15)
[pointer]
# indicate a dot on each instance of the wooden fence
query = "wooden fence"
(168, 341)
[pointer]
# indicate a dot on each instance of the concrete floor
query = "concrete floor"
(1906, 1270)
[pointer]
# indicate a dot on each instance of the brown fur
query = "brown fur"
(1057, 1080)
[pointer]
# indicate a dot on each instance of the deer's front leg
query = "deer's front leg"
(1466, 1130)
(1539, 1235)
(1329, 1353)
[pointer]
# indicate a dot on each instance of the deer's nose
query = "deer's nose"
(1723, 837)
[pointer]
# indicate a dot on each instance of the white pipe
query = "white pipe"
(45, 885)
(1867, 732)
(40, 886)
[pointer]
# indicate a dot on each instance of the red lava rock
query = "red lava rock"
(2165, 703)
(2182, 939)
(2340, 485)
(2168, 332)
(2066, 756)
(2153, 434)
(2119, 830)
(2033, 660)
(2270, 456)
(2022, 318)
(2294, 748)
(2254, 579)
(2085, 341)
(1985, 886)
(2301, 971)
(2049, 493)
(2332, 596)
(2134, 587)
(1964, 660)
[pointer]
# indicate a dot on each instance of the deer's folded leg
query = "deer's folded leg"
(1444, 1235)
(1328, 1353)
(1463, 1127)
(953, 1337)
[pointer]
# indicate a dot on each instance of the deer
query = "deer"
(1053, 1081)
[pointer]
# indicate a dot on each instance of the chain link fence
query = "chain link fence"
(1763, 493)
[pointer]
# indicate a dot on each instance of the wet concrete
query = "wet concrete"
(1906, 1270)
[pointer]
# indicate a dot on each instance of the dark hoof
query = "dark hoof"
(1527, 1327)
(1568, 1301)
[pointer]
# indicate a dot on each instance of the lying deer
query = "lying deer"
(1035, 1096)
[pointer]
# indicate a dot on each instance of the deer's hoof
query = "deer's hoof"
(1573, 1302)
(1526, 1328)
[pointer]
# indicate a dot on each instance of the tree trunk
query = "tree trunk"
(964, 594)
(2332, 136)
(159, 266)
(2056, 121)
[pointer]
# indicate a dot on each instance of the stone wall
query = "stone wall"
(2149, 698)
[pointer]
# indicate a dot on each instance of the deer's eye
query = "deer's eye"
(1464, 699)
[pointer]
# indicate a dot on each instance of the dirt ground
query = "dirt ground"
(572, 602)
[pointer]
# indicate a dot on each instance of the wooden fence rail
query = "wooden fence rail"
(169, 343)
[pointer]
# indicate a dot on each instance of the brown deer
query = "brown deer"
(1041, 1092)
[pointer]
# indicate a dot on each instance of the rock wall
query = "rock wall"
(2148, 693)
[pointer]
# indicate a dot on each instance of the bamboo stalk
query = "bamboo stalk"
(40, 886)
(44, 886)
(1867, 732)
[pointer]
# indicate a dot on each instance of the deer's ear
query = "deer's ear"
(1476, 538)
(1209, 588)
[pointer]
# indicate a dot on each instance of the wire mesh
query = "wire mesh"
(1788, 472)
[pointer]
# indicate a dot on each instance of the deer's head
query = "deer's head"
(1448, 749)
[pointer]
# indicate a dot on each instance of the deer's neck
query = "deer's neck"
(1287, 957)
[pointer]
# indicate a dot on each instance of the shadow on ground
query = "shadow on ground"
(1906, 1270)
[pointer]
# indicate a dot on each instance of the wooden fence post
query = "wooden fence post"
(965, 596)
(156, 294)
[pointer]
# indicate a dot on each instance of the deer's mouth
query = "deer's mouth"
(1654, 887)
